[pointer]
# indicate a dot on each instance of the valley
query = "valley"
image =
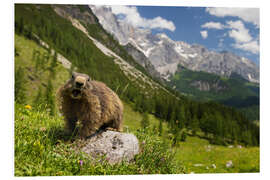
(169, 58)
(180, 112)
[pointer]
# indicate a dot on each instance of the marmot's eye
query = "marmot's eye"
(88, 79)
(72, 76)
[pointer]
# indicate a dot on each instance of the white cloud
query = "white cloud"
(238, 31)
(252, 46)
(213, 25)
(204, 34)
(251, 15)
(243, 40)
(133, 17)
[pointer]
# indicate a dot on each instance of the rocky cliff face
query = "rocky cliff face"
(142, 60)
(206, 86)
(165, 54)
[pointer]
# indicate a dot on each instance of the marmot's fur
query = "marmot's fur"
(91, 104)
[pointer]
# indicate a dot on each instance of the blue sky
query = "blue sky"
(231, 29)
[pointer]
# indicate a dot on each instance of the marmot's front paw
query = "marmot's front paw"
(110, 129)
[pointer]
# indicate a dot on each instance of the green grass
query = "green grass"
(42, 148)
(198, 151)
(132, 120)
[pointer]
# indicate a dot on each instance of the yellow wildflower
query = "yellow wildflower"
(28, 107)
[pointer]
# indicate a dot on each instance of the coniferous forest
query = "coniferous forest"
(217, 123)
(223, 124)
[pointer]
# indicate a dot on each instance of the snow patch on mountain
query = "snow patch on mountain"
(166, 54)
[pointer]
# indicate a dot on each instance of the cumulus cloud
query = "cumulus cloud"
(242, 37)
(252, 46)
(238, 31)
(204, 34)
(133, 17)
(213, 25)
(251, 15)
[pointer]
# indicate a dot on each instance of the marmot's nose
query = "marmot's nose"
(79, 84)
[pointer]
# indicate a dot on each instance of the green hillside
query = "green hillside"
(36, 78)
(234, 91)
(59, 33)
(229, 87)
(161, 117)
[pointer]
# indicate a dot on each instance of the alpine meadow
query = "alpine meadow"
(192, 109)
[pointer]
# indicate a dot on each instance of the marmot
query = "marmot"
(91, 104)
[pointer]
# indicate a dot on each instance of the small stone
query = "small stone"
(229, 164)
(198, 165)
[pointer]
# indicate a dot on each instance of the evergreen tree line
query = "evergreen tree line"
(219, 123)
(45, 98)
(46, 62)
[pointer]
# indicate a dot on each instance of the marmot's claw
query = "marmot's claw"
(110, 129)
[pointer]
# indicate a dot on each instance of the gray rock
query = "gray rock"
(166, 54)
(115, 146)
(140, 58)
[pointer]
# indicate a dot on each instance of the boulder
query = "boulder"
(115, 146)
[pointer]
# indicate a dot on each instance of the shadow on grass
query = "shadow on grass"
(56, 134)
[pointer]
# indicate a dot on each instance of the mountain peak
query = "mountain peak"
(166, 54)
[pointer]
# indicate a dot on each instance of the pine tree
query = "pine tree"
(29, 33)
(20, 84)
(183, 135)
(21, 25)
(181, 117)
(39, 100)
(53, 65)
(50, 99)
(145, 121)
(160, 128)
(37, 59)
(138, 103)
(194, 125)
